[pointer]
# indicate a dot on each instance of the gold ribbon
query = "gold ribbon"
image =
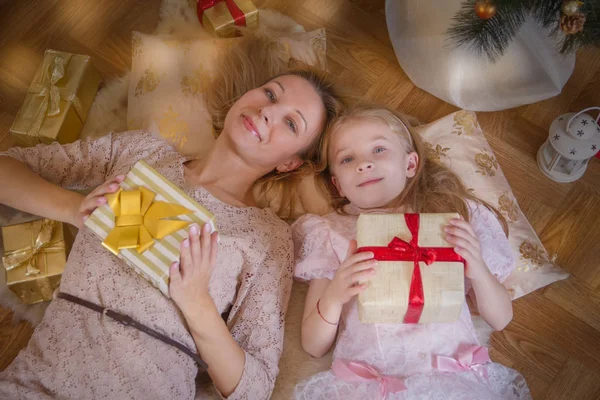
(53, 70)
(27, 255)
(139, 220)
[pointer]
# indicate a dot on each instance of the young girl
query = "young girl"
(375, 164)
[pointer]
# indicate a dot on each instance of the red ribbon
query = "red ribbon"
(400, 250)
(238, 15)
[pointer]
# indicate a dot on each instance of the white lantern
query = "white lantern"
(574, 139)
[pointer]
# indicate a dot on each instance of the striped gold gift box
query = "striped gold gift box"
(153, 263)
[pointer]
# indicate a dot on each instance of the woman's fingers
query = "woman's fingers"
(205, 243)
(174, 273)
(185, 263)
(214, 240)
(97, 197)
(195, 246)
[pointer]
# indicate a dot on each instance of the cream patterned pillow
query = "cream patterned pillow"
(169, 76)
(458, 141)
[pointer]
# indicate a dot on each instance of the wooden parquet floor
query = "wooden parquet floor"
(554, 339)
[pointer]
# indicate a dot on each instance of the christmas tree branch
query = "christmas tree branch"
(491, 36)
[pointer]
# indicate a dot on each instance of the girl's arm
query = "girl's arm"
(326, 298)
(493, 301)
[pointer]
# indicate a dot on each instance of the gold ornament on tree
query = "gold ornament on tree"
(572, 24)
(485, 9)
(571, 7)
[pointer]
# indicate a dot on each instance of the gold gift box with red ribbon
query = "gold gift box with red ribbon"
(58, 100)
(35, 254)
(222, 17)
(419, 279)
(145, 221)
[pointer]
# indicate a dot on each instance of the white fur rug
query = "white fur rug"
(109, 113)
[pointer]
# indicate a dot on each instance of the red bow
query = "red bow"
(400, 250)
(238, 15)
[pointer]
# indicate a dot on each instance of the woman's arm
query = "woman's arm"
(26, 191)
(243, 358)
(36, 179)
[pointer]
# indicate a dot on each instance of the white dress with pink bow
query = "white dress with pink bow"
(403, 361)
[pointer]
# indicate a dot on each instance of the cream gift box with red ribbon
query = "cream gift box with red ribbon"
(419, 279)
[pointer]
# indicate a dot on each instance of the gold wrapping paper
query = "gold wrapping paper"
(35, 255)
(154, 261)
(58, 100)
(219, 21)
(140, 220)
(386, 298)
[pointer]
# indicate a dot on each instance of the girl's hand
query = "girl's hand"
(460, 234)
(350, 279)
(94, 200)
(189, 278)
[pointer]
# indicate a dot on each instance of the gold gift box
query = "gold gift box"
(386, 299)
(145, 249)
(58, 100)
(43, 258)
(219, 21)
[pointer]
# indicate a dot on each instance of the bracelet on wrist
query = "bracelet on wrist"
(321, 315)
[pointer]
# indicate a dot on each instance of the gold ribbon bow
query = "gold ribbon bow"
(27, 255)
(139, 220)
(53, 70)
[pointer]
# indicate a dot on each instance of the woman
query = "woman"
(269, 133)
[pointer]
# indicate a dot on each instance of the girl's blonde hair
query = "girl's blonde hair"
(434, 188)
(250, 63)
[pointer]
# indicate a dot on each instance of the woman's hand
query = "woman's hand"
(352, 276)
(94, 200)
(460, 234)
(190, 276)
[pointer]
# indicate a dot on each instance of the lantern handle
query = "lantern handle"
(584, 110)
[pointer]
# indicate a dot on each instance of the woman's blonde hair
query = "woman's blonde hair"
(434, 188)
(250, 63)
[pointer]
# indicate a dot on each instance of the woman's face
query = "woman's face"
(271, 124)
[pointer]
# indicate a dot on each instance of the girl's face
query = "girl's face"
(369, 163)
(270, 125)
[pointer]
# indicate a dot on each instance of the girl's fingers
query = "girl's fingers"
(462, 233)
(351, 248)
(463, 243)
(466, 254)
(357, 258)
(361, 266)
(362, 276)
(463, 224)
(353, 291)
(185, 257)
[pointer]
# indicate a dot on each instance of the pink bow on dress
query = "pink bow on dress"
(352, 371)
(470, 359)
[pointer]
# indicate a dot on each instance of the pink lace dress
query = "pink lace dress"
(77, 353)
(404, 351)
